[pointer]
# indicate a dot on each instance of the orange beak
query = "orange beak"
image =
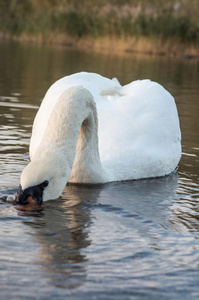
(30, 199)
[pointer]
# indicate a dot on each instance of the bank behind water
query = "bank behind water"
(153, 46)
(150, 27)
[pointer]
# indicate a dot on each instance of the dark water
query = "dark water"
(129, 240)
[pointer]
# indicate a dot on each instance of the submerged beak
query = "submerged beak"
(31, 194)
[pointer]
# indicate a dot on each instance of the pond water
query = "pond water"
(128, 240)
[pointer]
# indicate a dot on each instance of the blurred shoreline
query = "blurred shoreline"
(143, 45)
(169, 28)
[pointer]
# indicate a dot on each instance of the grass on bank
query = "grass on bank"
(74, 23)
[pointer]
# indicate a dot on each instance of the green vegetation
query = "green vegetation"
(176, 19)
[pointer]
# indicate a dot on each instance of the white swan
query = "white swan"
(90, 129)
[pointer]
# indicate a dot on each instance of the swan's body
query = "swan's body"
(90, 129)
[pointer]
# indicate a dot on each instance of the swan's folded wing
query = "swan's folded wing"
(140, 134)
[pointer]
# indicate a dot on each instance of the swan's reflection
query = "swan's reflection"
(60, 227)
(149, 198)
(64, 228)
(168, 201)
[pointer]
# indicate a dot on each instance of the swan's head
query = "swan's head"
(42, 180)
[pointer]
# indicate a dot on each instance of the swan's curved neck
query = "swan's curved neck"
(73, 131)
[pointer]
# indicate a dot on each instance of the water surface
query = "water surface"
(128, 240)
